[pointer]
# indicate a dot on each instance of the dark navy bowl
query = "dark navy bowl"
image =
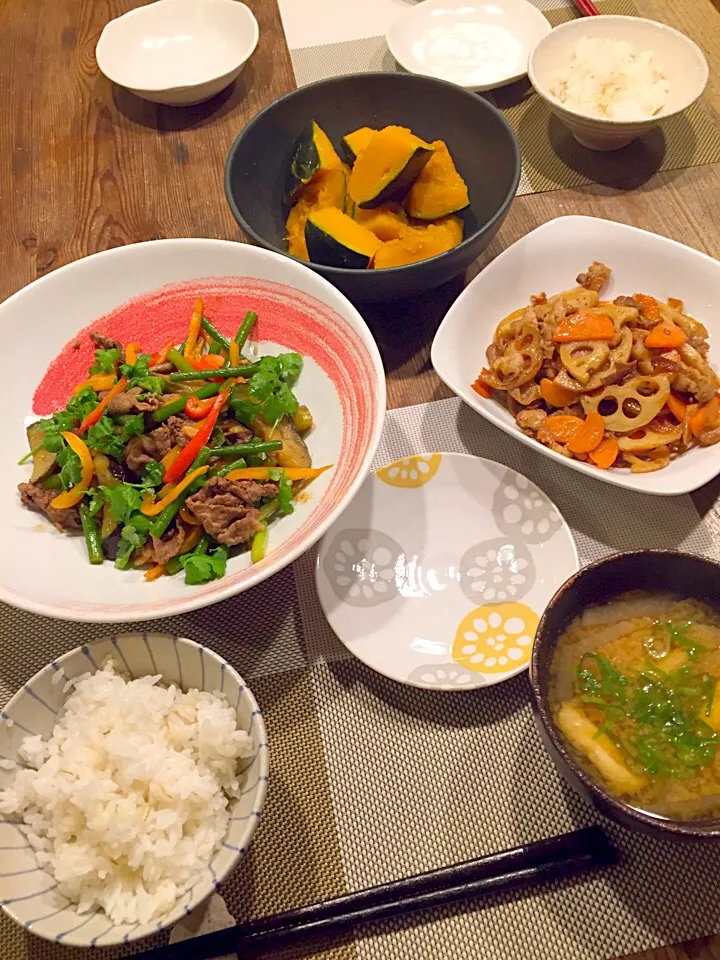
(483, 146)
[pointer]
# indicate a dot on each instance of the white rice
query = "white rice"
(127, 801)
(610, 79)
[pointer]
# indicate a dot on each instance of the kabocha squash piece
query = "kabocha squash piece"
(335, 239)
(328, 189)
(312, 153)
(439, 190)
(420, 243)
(387, 167)
(387, 222)
(353, 143)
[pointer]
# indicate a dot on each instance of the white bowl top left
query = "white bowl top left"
(476, 44)
(178, 51)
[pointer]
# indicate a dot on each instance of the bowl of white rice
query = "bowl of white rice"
(611, 79)
(133, 772)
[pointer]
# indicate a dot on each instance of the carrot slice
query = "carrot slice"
(556, 395)
(564, 427)
(677, 407)
(584, 326)
(605, 454)
(649, 306)
(590, 436)
(479, 386)
(665, 336)
(705, 417)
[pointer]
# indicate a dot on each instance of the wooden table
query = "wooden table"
(85, 167)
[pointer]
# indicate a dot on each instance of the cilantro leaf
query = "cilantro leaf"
(103, 437)
(203, 567)
(133, 425)
(57, 424)
(124, 501)
(139, 375)
(269, 393)
(70, 466)
(289, 366)
(105, 361)
(96, 499)
(285, 491)
(82, 403)
(153, 474)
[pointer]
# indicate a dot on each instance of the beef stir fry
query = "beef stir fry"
(621, 384)
(169, 461)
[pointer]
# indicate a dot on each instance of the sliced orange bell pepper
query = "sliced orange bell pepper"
(73, 496)
(605, 454)
(705, 417)
(156, 572)
(98, 381)
(131, 353)
(234, 354)
(556, 395)
(564, 427)
(99, 410)
(150, 509)
(584, 326)
(188, 517)
(161, 355)
(589, 436)
(263, 473)
(194, 329)
(171, 456)
(666, 335)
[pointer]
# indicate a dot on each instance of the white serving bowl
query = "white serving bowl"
(681, 61)
(145, 292)
(549, 259)
(178, 52)
(476, 44)
(28, 893)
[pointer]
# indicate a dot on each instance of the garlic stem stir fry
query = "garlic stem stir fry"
(625, 383)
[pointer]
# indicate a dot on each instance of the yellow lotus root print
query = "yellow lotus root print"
(496, 639)
(411, 471)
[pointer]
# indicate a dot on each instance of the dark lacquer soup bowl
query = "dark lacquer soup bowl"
(654, 572)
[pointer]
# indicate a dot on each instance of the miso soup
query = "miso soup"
(635, 691)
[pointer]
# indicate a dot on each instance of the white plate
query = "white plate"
(476, 44)
(549, 259)
(145, 291)
(438, 572)
(178, 52)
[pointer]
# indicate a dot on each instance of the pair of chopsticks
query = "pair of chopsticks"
(587, 8)
(556, 858)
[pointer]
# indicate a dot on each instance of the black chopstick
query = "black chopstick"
(558, 857)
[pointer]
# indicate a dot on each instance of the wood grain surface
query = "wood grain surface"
(85, 167)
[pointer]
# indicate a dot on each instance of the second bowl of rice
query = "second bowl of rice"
(611, 78)
(133, 772)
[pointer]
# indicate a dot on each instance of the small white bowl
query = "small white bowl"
(681, 61)
(476, 44)
(549, 259)
(178, 52)
(28, 893)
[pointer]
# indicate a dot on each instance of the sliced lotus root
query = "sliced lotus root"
(496, 571)
(524, 512)
(444, 676)
(365, 567)
(411, 471)
(496, 639)
(648, 439)
(583, 358)
(631, 405)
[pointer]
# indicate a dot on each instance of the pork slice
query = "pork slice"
(596, 277)
(38, 498)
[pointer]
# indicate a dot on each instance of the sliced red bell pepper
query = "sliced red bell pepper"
(179, 467)
(161, 355)
(209, 361)
(196, 408)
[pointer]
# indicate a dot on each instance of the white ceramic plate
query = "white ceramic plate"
(178, 52)
(438, 572)
(144, 292)
(477, 44)
(549, 259)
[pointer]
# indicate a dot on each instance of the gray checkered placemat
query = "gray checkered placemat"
(371, 780)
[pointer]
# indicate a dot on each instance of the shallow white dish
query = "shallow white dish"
(178, 52)
(681, 61)
(145, 291)
(27, 893)
(477, 44)
(438, 572)
(549, 259)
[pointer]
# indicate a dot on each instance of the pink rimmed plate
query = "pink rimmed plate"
(145, 292)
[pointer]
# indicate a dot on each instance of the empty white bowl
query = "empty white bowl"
(681, 61)
(178, 52)
(477, 44)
